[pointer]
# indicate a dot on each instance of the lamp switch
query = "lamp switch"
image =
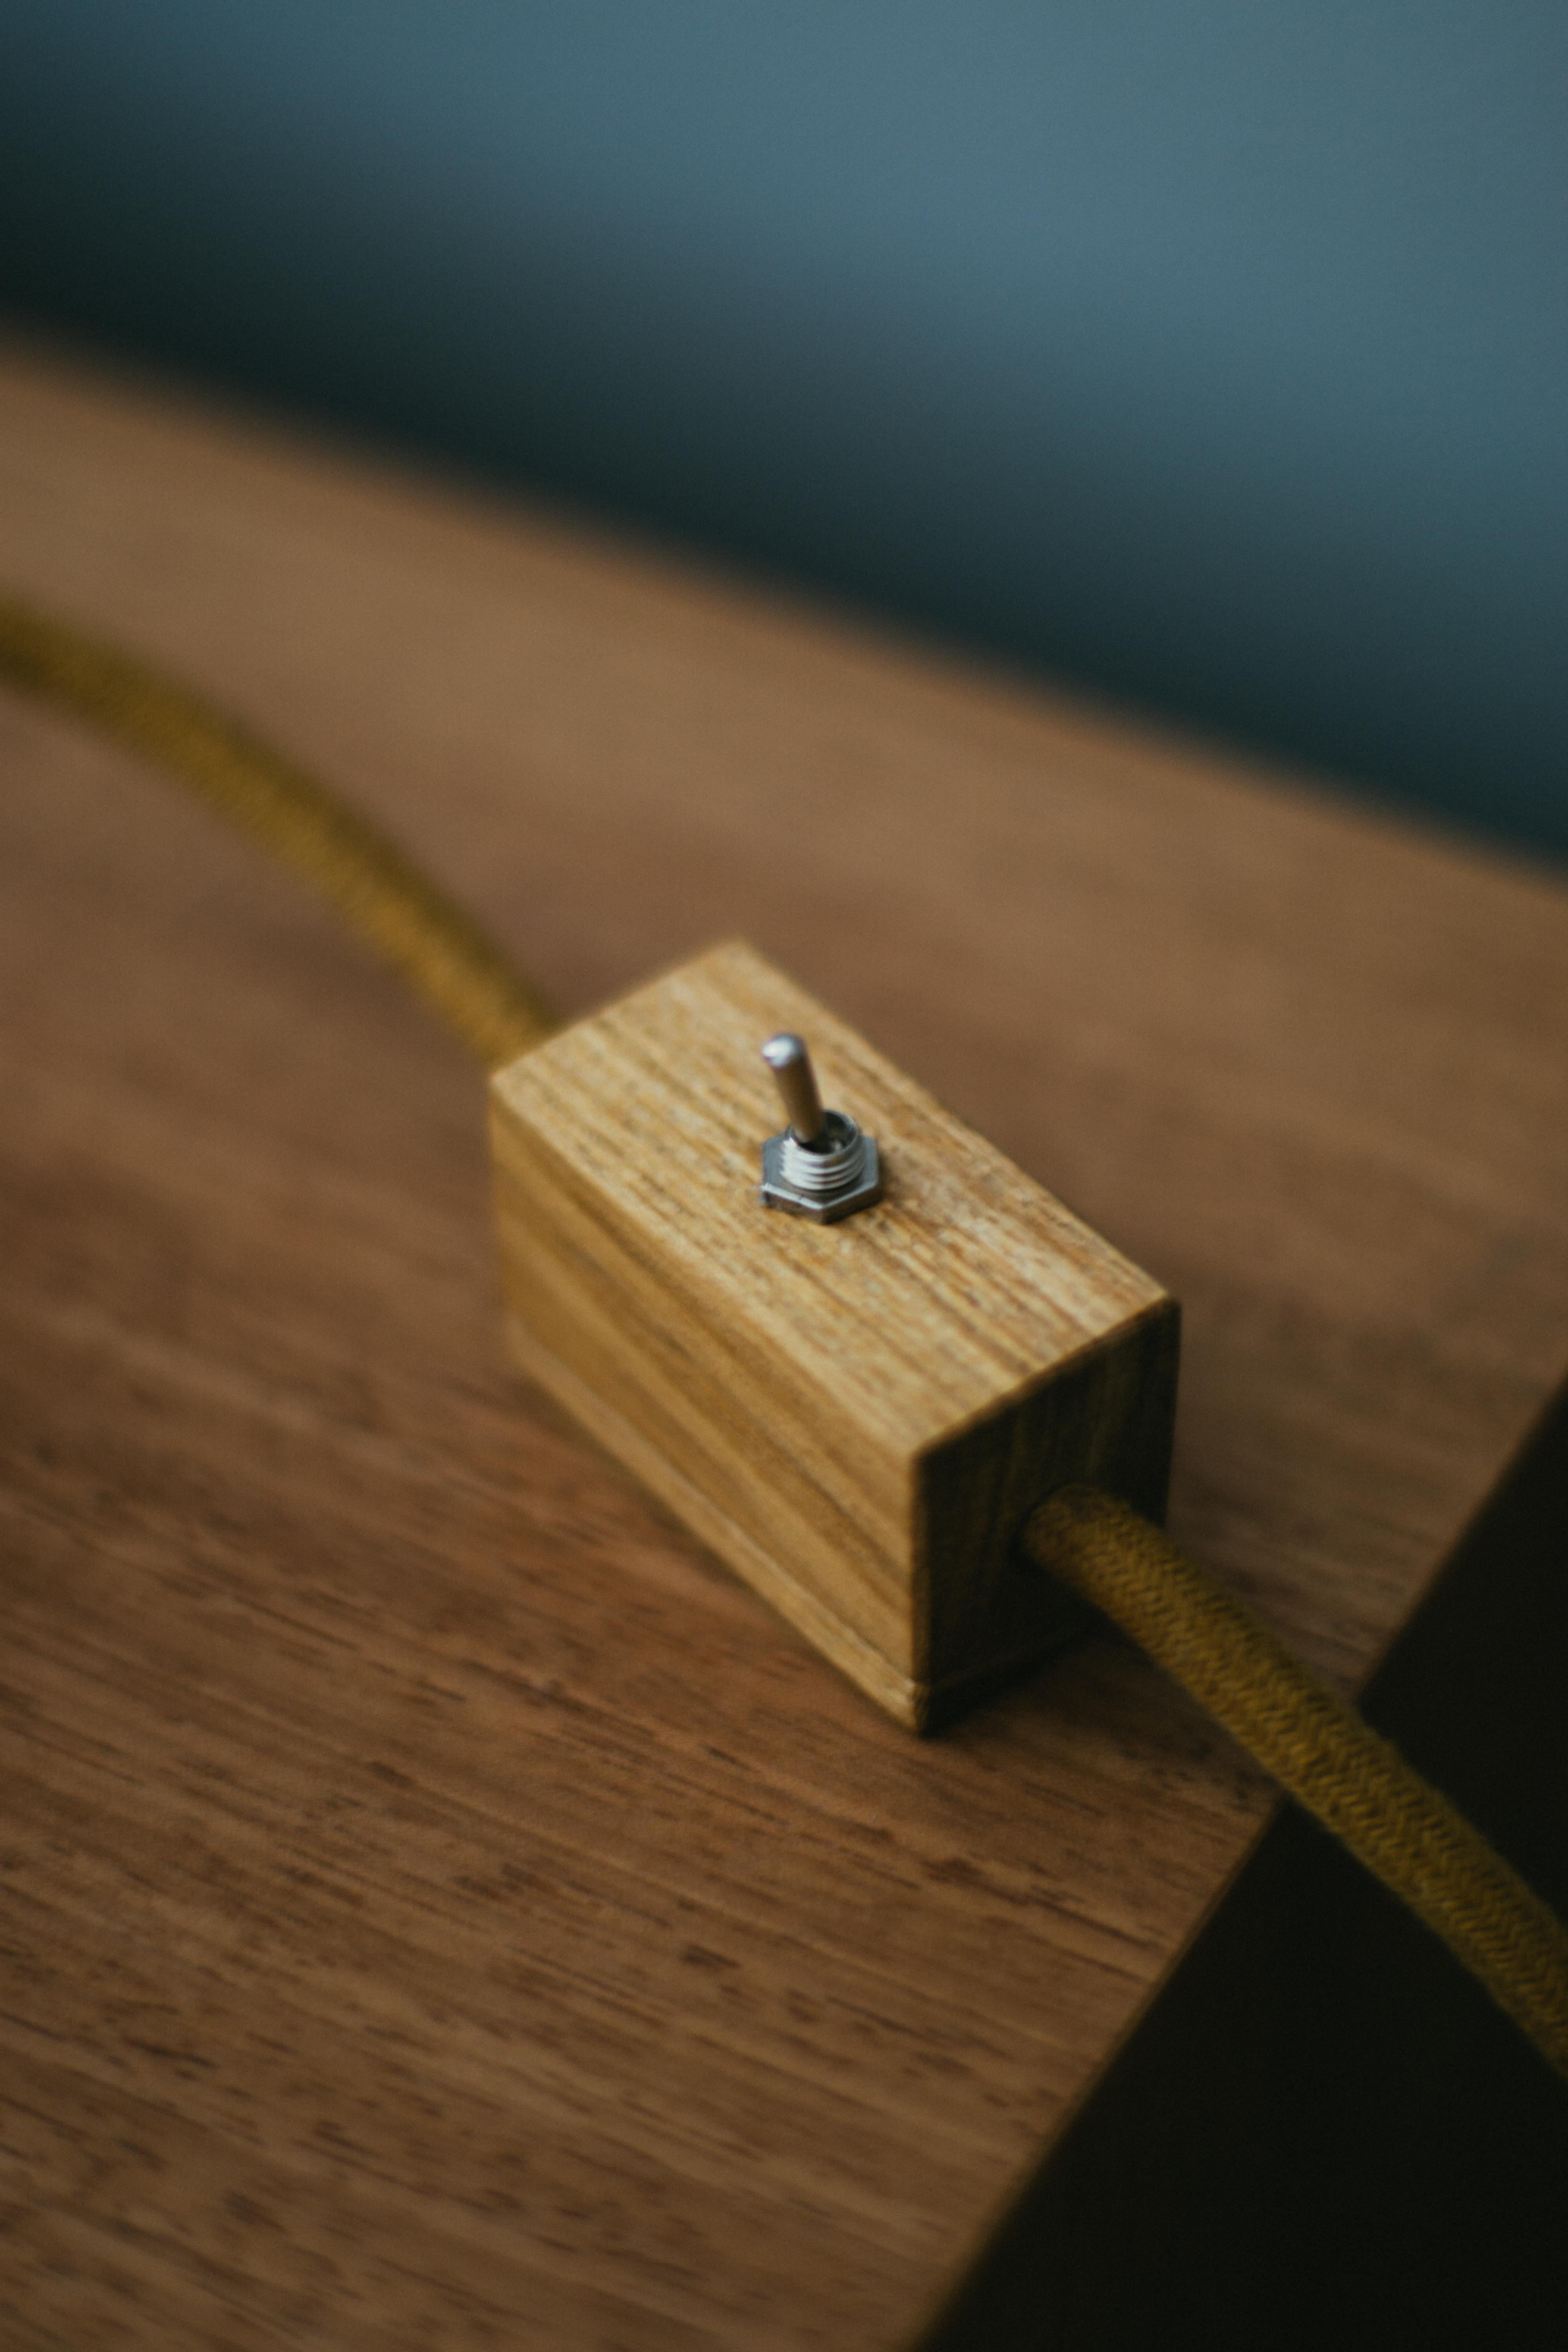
(858, 1412)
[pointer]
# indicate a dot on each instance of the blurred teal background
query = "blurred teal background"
(1209, 353)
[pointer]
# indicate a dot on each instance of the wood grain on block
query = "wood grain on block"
(858, 1416)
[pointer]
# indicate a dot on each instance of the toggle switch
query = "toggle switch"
(857, 1414)
(820, 1165)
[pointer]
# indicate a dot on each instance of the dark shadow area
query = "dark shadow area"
(1324, 2132)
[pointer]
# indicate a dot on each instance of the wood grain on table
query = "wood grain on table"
(442, 1907)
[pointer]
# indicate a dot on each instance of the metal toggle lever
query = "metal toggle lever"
(820, 1165)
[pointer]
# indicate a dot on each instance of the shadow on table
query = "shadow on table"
(1322, 2132)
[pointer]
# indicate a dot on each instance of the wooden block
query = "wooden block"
(856, 1417)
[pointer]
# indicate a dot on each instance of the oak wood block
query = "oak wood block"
(857, 1416)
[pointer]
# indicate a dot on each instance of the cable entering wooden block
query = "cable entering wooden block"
(858, 1416)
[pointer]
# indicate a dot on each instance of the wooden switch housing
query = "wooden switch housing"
(856, 1417)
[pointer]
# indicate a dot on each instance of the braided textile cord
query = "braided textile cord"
(1315, 1746)
(1318, 1749)
(444, 956)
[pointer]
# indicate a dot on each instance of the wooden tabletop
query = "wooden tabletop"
(443, 1907)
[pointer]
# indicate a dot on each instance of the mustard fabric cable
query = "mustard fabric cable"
(1317, 1748)
(443, 955)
